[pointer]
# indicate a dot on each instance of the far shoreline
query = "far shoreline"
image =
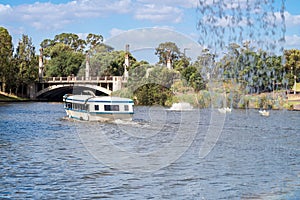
(290, 105)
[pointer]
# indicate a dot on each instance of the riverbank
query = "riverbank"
(294, 101)
(4, 97)
(205, 99)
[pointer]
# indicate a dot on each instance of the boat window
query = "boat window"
(111, 107)
(96, 107)
(115, 108)
(68, 105)
(126, 107)
(107, 107)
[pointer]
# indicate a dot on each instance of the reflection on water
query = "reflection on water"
(45, 157)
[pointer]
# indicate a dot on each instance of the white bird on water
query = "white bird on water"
(264, 113)
(224, 110)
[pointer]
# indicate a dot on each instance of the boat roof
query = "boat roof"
(99, 99)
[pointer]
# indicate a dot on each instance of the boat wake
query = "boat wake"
(183, 106)
(126, 122)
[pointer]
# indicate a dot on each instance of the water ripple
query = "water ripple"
(43, 157)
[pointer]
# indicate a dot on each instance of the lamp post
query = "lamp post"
(184, 50)
(295, 84)
(126, 62)
(294, 79)
(169, 59)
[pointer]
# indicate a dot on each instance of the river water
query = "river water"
(162, 154)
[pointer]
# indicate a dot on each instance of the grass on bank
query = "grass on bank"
(8, 97)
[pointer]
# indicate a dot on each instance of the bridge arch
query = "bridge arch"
(56, 92)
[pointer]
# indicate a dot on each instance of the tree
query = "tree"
(151, 84)
(6, 67)
(27, 62)
(73, 41)
(257, 71)
(68, 39)
(167, 50)
(93, 40)
(181, 63)
(64, 61)
(205, 64)
(162, 76)
(104, 62)
(292, 65)
(153, 94)
(193, 77)
(66, 50)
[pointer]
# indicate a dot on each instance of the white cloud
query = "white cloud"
(291, 20)
(114, 32)
(49, 16)
(172, 3)
(292, 41)
(154, 12)
(54, 16)
(5, 9)
(228, 4)
(150, 38)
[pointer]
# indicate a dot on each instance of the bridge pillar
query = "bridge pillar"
(169, 60)
(117, 83)
(126, 63)
(32, 90)
(41, 65)
(87, 67)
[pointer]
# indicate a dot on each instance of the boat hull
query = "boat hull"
(91, 108)
(101, 117)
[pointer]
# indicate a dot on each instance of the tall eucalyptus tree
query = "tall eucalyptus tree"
(26, 62)
(6, 53)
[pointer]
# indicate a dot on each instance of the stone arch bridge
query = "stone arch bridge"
(53, 88)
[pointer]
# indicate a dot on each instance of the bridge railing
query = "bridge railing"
(73, 79)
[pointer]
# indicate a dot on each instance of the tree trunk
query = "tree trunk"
(22, 90)
(3, 86)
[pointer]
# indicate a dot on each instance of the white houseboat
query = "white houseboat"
(98, 108)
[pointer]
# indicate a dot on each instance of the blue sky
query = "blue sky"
(46, 18)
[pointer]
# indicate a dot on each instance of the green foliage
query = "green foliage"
(152, 94)
(7, 71)
(292, 65)
(181, 64)
(254, 71)
(204, 64)
(258, 71)
(162, 76)
(167, 50)
(26, 62)
(73, 41)
(151, 85)
(65, 52)
(193, 78)
(93, 40)
(204, 99)
(104, 62)
(69, 39)
(64, 61)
